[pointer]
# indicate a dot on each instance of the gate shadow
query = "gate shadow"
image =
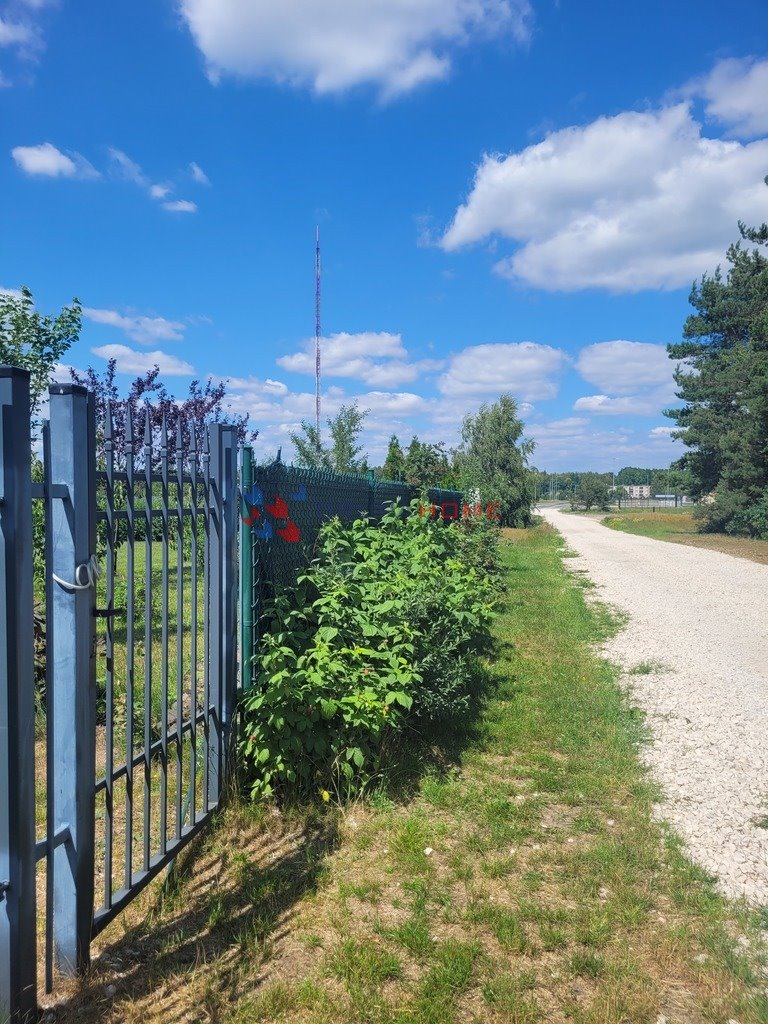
(176, 955)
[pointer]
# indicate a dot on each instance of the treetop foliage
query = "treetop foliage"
(344, 454)
(203, 405)
(35, 342)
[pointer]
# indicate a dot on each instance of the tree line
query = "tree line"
(489, 465)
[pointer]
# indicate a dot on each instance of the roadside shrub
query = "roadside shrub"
(384, 626)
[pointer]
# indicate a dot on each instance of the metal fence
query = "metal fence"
(118, 651)
(136, 702)
(283, 510)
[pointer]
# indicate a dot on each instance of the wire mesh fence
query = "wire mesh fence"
(283, 510)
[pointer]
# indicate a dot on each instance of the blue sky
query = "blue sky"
(512, 196)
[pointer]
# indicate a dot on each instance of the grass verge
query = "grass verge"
(679, 527)
(512, 872)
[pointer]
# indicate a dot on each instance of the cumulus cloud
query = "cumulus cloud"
(635, 378)
(395, 45)
(621, 367)
(625, 203)
(146, 330)
(130, 361)
(376, 358)
(661, 431)
(527, 370)
(46, 161)
(735, 94)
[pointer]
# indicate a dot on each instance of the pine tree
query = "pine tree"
(723, 381)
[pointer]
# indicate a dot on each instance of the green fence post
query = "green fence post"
(246, 572)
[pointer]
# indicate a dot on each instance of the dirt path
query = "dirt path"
(695, 652)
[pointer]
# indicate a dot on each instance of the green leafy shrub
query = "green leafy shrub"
(385, 624)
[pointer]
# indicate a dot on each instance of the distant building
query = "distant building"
(638, 490)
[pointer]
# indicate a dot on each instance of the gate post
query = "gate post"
(246, 570)
(72, 473)
(221, 598)
(18, 953)
(229, 579)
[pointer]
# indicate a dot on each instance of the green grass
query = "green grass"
(663, 524)
(513, 873)
(679, 526)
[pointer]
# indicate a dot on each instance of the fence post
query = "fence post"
(18, 953)
(229, 583)
(221, 595)
(246, 571)
(72, 472)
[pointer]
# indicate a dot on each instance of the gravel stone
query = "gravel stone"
(700, 618)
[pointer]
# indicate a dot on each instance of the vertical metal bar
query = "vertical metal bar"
(209, 646)
(246, 570)
(214, 595)
(147, 637)
(130, 657)
(179, 624)
(164, 639)
(193, 627)
(18, 955)
(109, 729)
(229, 583)
(74, 675)
(50, 822)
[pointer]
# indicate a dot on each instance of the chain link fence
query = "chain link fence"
(283, 508)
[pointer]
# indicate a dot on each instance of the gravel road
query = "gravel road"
(701, 619)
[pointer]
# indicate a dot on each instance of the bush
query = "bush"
(384, 625)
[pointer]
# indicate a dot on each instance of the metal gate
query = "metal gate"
(134, 565)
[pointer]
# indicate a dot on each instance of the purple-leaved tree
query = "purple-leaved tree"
(203, 405)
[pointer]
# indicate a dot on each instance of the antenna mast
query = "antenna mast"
(317, 333)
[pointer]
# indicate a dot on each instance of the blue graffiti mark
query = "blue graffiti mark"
(253, 496)
(264, 532)
(301, 494)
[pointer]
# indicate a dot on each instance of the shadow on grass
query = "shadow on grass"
(436, 748)
(230, 900)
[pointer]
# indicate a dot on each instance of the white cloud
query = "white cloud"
(146, 330)
(395, 45)
(635, 378)
(21, 35)
(621, 367)
(130, 361)
(15, 33)
(198, 174)
(527, 370)
(47, 161)
(376, 358)
(735, 94)
(651, 403)
(130, 171)
(661, 431)
(180, 206)
(635, 201)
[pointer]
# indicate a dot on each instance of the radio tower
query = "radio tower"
(317, 333)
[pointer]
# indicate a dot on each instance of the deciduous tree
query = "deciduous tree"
(494, 460)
